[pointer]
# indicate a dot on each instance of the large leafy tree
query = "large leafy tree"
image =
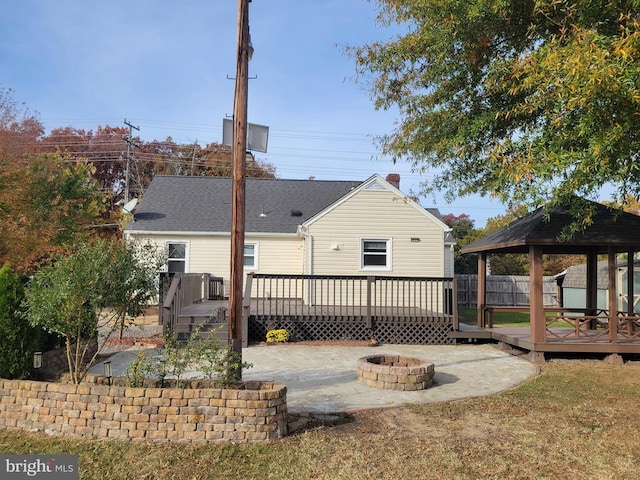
(48, 201)
(48, 205)
(518, 264)
(530, 101)
(106, 149)
(19, 130)
(464, 232)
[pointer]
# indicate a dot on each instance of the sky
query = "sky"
(168, 66)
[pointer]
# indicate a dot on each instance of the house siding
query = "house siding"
(448, 261)
(212, 254)
(378, 213)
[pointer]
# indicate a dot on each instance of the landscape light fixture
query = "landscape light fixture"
(37, 360)
(163, 366)
(107, 371)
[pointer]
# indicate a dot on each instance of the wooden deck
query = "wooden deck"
(333, 319)
(415, 310)
(559, 340)
(390, 309)
(322, 322)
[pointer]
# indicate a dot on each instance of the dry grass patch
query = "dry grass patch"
(577, 419)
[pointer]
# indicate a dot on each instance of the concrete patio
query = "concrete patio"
(323, 379)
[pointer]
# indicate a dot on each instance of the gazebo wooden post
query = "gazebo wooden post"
(482, 287)
(536, 305)
(592, 285)
(631, 290)
(613, 295)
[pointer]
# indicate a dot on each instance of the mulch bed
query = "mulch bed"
(151, 341)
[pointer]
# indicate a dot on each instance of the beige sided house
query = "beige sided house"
(312, 227)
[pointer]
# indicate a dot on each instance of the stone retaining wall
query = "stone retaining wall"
(257, 413)
(55, 361)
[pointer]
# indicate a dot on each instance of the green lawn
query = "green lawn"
(500, 319)
(577, 419)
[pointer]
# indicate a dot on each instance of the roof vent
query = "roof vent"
(296, 213)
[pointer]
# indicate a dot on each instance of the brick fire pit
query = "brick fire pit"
(393, 372)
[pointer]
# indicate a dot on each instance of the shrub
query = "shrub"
(277, 336)
(18, 340)
(137, 370)
(206, 356)
(219, 361)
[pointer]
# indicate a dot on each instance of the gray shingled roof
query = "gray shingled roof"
(203, 204)
(610, 227)
(576, 275)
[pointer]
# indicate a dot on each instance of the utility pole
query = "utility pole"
(130, 145)
(193, 156)
(238, 185)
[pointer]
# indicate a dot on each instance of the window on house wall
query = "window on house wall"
(376, 254)
(177, 257)
(250, 255)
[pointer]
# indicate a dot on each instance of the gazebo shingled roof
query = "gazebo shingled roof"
(610, 227)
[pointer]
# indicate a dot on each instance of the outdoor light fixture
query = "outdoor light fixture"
(37, 360)
(107, 371)
(163, 364)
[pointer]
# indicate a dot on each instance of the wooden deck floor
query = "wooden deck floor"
(520, 337)
(203, 309)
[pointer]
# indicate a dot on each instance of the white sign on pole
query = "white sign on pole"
(257, 135)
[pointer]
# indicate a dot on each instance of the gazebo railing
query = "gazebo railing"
(587, 325)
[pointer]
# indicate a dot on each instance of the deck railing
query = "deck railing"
(352, 297)
(185, 289)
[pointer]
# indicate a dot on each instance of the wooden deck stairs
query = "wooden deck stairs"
(194, 302)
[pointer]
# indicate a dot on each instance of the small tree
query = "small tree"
(526, 101)
(18, 339)
(97, 286)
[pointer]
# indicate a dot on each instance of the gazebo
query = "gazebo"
(557, 329)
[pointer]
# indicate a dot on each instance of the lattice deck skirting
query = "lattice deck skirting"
(425, 332)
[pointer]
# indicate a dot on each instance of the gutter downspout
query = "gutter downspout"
(304, 233)
(308, 244)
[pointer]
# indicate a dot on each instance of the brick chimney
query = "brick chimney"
(394, 179)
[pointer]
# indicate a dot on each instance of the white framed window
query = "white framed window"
(251, 255)
(376, 254)
(177, 257)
